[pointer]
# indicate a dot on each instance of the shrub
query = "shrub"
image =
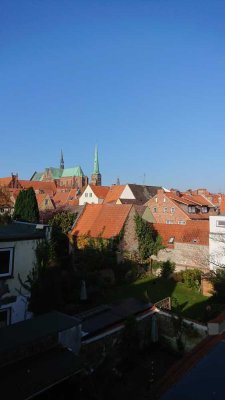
(192, 278)
(178, 276)
(218, 281)
(167, 268)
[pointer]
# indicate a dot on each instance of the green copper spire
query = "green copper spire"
(96, 164)
(61, 161)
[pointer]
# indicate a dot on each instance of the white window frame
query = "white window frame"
(11, 250)
(86, 194)
(155, 209)
(165, 209)
(220, 223)
(90, 194)
(182, 222)
(172, 210)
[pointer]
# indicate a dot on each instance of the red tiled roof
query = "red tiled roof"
(100, 191)
(195, 232)
(5, 181)
(105, 220)
(39, 185)
(114, 193)
(222, 204)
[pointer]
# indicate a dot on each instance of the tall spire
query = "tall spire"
(61, 161)
(96, 178)
(96, 163)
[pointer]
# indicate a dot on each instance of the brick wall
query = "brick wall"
(129, 242)
(186, 255)
(161, 216)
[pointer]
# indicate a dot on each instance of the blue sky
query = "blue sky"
(144, 79)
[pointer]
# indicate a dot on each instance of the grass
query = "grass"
(191, 303)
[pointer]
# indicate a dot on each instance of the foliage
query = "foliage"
(218, 281)
(63, 221)
(178, 325)
(5, 219)
(192, 278)
(26, 207)
(148, 241)
(61, 224)
(167, 268)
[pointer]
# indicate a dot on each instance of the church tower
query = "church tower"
(61, 161)
(96, 178)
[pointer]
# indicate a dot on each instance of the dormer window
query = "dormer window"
(204, 209)
(192, 209)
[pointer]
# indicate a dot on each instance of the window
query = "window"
(46, 202)
(156, 199)
(165, 209)
(164, 199)
(5, 317)
(172, 210)
(204, 209)
(220, 223)
(6, 261)
(90, 194)
(181, 222)
(171, 240)
(168, 221)
(192, 209)
(86, 194)
(154, 209)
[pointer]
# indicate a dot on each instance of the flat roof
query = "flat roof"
(32, 329)
(28, 378)
(110, 315)
(20, 231)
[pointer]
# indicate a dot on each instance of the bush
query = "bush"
(218, 281)
(167, 269)
(178, 276)
(192, 278)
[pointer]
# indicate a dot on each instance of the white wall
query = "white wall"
(127, 193)
(24, 259)
(86, 198)
(217, 241)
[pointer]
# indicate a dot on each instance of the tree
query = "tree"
(26, 207)
(148, 241)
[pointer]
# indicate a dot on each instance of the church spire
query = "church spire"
(96, 178)
(96, 163)
(61, 161)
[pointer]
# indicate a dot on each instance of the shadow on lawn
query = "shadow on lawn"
(191, 304)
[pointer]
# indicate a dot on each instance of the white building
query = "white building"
(93, 195)
(18, 243)
(216, 241)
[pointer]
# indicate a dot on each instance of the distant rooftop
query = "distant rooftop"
(21, 231)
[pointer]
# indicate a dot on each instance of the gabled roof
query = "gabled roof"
(193, 232)
(143, 193)
(5, 181)
(105, 220)
(100, 191)
(114, 193)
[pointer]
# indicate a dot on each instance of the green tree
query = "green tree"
(26, 207)
(148, 241)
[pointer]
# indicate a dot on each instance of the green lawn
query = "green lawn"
(192, 303)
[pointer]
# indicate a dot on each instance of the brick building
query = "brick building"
(175, 207)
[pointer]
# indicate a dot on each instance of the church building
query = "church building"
(68, 178)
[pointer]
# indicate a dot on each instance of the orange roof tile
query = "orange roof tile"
(114, 193)
(100, 191)
(105, 220)
(222, 205)
(195, 232)
(5, 181)
(46, 187)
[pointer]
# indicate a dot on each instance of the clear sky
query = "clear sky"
(144, 79)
